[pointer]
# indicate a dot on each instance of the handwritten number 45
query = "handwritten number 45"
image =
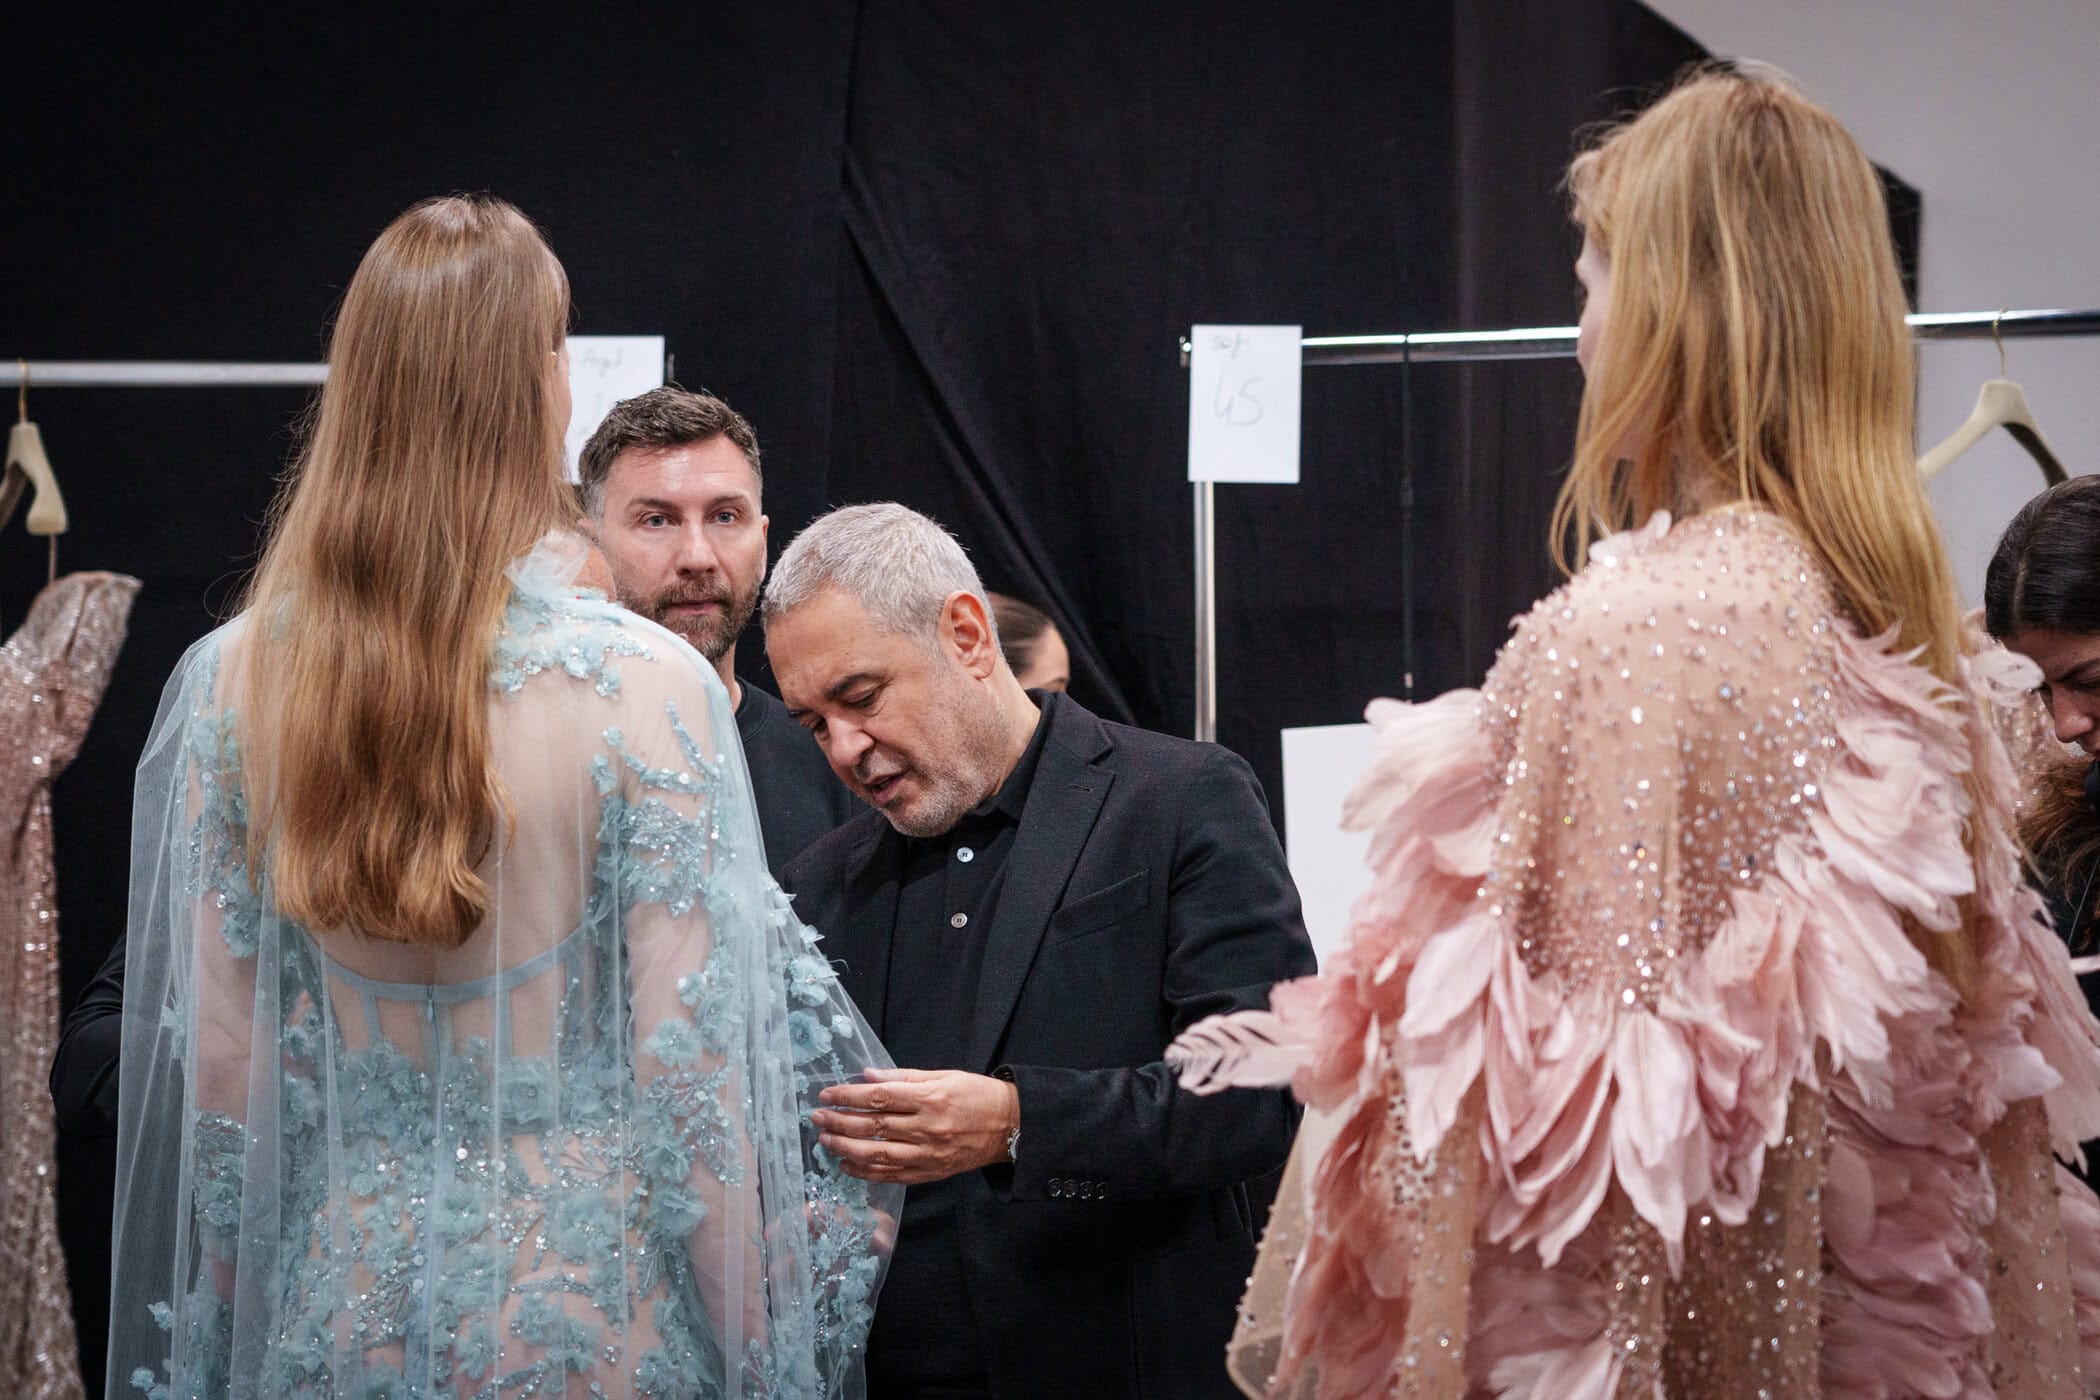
(1236, 401)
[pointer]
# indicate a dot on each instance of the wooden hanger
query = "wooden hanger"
(2002, 404)
(29, 465)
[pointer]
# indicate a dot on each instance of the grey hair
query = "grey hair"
(900, 565)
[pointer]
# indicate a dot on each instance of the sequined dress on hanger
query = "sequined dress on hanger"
(53, 671)
(1643, 1088)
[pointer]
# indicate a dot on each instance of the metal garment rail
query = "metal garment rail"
(1419, 347)
(1411, 348)
(159, 374)
(1528, 343)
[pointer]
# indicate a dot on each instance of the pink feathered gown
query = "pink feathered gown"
(1643, 1088)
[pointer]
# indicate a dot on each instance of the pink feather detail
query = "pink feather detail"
(1811, 981)
(1244, 1050)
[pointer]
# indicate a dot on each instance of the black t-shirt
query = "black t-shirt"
(799, 797)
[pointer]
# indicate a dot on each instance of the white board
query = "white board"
(604, 369)
(1243, 403)
(1321, 764)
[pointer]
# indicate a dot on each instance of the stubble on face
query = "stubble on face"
(652, 503)
(967, 768)
(710, 631)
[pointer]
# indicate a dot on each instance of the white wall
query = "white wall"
(1991, 110)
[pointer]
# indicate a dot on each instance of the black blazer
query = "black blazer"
(1145, 890)
(84, 1069)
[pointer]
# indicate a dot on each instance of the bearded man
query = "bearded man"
(672, 487)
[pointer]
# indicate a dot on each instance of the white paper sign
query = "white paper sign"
(604, 369)
(1320, 765)
(1243, 403)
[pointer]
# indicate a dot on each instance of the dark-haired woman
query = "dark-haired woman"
(2041, 597)
(1032, 645)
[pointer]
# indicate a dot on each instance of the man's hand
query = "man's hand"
(917, 1125)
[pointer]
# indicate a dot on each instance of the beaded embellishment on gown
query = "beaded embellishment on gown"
(1640, 1084)
(53, 671)
(571, 1155)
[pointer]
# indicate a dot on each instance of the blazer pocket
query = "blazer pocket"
(1093, 912)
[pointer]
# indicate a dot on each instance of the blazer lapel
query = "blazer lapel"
(1063, 801)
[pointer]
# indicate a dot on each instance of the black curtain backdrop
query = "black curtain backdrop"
(937, 252)
(1038, 203)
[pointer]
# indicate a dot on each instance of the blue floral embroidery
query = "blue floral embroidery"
(543, 631)
(602, 1219)
(218, 844)
(808, 1036)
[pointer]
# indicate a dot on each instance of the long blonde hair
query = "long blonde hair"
(1755, 331)
(432, 460)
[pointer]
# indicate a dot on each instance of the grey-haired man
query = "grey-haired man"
(1039, 902)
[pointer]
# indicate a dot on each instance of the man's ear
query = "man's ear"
(765, 558)
(967, 629)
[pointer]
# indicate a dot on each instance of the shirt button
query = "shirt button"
(966, 855)
(958, 920)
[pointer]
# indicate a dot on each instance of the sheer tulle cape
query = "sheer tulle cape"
(1637, 1080)
(570, 1156)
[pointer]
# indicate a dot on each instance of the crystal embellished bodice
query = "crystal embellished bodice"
(1697, 1035)
(1703, 661)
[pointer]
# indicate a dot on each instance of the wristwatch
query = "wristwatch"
(1013, 1134)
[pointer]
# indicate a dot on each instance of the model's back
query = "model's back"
(468, 1045)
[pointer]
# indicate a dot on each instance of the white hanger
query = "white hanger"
(29, 465)
(2001, 404)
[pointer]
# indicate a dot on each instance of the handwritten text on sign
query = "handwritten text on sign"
(1243, 403)
(604, 369)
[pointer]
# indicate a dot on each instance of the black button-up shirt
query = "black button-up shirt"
(948, 896)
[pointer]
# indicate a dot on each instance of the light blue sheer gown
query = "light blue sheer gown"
(570, 1157)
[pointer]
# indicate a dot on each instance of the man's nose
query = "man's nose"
(696, 554)
(846, 745)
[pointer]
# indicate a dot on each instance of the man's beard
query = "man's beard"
(711, 634)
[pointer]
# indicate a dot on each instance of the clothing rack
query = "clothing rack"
(1418, 347)
(1558, 342)
(1525, 343)
(160, 374)
(1405, 349)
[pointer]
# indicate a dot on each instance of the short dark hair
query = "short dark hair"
(666, 417)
